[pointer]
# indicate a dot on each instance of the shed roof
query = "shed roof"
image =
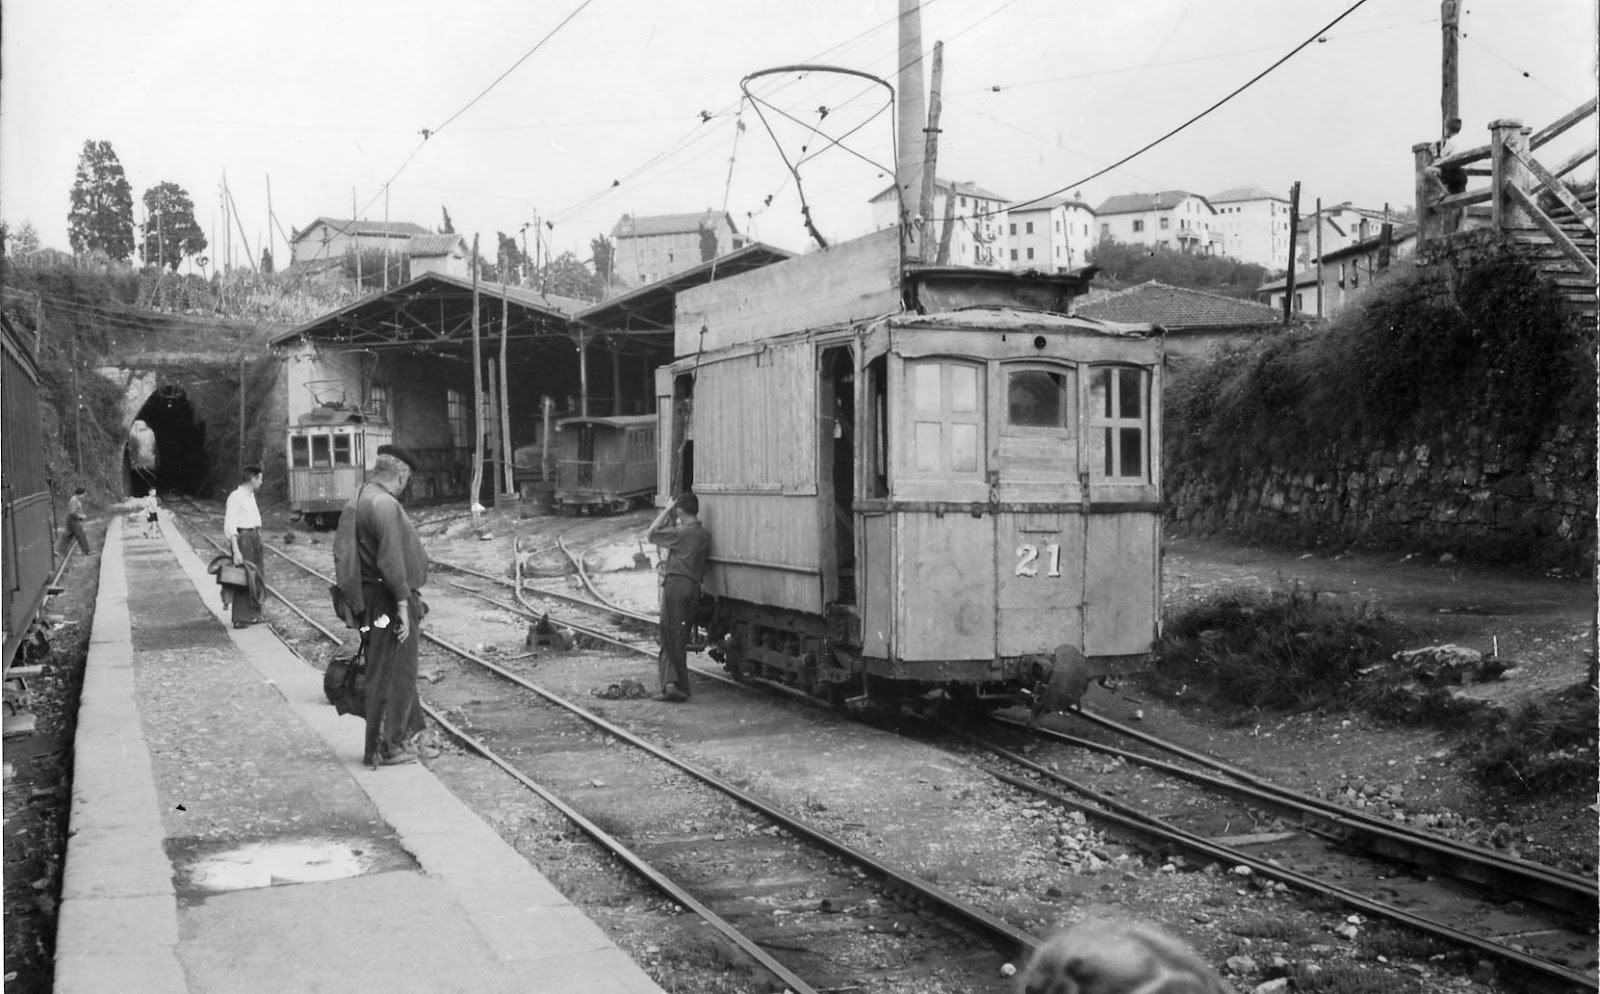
(1177, 308)
(387, 229)
(1162, 200)
(423, 246)
(652, 307)
(637, 226)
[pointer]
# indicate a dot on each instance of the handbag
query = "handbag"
(344, 682)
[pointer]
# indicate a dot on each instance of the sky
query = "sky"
(635, 106)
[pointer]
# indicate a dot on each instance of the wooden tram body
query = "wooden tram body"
(27, 530)
(605, 463)
(919, 482)
(331, 451)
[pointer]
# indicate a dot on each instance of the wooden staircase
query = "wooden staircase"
(1577, 288)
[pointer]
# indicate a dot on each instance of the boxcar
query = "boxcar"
(920, 504)
(605, 463)
(27, 531)
(331, 451)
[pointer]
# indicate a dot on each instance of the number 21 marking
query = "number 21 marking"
(1028, 554)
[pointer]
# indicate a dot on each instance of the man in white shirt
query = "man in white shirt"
(241, 525)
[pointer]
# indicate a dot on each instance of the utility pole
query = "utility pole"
(386, 237)
(234, 210)
(1294, 231)
(930, 162)
(477, 390)
(271, 220)
(526, 258)
(161, 244)
(509, 484)
(1450, 84)
(77, 410)
(355, 239)
(912, 113)
(1319, 258)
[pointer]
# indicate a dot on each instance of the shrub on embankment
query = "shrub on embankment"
(1450, 408)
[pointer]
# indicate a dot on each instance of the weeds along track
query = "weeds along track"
(1537, 922)
(807, 909)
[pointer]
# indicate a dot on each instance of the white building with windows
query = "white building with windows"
(1177, 219)
(1053, 235)
(977, 218)
(1255, 225)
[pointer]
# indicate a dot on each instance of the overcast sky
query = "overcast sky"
(329, 96)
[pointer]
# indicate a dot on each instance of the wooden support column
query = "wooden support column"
(509, 484)
(1506, 137)
(477, 393)
(1449, 62)
(583, 374)
(1428, 225)
(1294, 231)
(616, 378)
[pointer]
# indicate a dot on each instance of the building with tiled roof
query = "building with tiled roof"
(1176, 219)
(329, 238)
(1342, 225)
(1053, 235)
(651, 247)
(1195, 320)
(977, 221)
(1343, 273)
(1255, 225)
(446, 253)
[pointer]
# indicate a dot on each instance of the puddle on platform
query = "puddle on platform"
(268, 864)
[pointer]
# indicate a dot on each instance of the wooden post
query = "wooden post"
(583, 375)
(1294, 232)
(1319, 258)
(1385, 245)
(355, 240)
(477, 390)
(930, 164)
(547, 407)
(1504, 135)
(912, 113)
(616, 379)
(1429, 224)
(1450, 86)
(505, 390)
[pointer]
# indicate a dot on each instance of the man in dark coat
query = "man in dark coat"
(381, 568)
(677, 530)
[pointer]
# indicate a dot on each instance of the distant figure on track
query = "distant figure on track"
(241, 526)
(381, 569)
(74, 532)
(152, 514)
(677, 529)
(1111, 957)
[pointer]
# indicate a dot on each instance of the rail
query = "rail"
(1517, 180)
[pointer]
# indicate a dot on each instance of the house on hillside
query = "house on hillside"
(1176, 219)
(1053, 235)
(1195, 321)
(1255, 225)
(977, 218)
(653, 247)
(326, 240)
(1343, 273)
(1342, 225)
(447, 254)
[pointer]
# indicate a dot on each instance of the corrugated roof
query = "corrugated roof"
(429, 245)
(1128, 203)
(630, 226)
(1176, 307)
(941, 185)
(375, 228)
(1239, 193)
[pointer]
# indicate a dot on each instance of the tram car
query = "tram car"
(26, 532)
(921, 483)
(605, 464)
(331, 451)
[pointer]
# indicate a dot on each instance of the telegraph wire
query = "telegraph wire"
(1235, 92)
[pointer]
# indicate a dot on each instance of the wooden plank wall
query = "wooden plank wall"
(846, 282)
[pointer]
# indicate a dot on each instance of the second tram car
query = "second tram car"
(331, 451)
(26, 545)
(922, 503)
(605, 463)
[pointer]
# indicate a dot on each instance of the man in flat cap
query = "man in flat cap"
(381, 569)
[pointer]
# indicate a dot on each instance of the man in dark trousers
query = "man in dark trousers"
(76, 516)
(241, 526)
(678, 531)
(381, 568)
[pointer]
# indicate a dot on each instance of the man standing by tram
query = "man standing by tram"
(677, 529)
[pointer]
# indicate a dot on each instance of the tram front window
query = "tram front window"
(321, 456)
(1037, 398)
(343, 454)
(1121, 415)
(946, 418)
(299, 452)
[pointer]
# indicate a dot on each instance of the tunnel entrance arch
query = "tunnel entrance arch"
(166, 448)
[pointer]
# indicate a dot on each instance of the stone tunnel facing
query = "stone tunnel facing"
(169, 454)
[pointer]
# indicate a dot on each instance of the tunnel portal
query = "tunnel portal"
(179, 464)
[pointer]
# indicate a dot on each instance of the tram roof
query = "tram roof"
(989, 318)
(434, 310)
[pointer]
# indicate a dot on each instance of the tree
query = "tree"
(708, 242)
(22, 241)
(448, 227)
(1128, 264)
(267, 267)
(170, 233)
(605, 258)
(568, 276)
(510, 258)
(101, 216)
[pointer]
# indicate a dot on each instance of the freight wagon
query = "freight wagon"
(27, 529)
(919, 481)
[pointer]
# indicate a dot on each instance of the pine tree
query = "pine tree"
(102, 204)
(448, 227)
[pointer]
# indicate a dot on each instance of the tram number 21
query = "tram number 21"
(1028, 557)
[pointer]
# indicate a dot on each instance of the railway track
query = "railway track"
(763, 878)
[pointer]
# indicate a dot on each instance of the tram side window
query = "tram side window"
(1038, 398)
(343, 453)
(1121, 413)
(321, 451)
(945, 412)
(300, 452)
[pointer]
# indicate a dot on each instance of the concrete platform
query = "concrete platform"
(225, 836)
